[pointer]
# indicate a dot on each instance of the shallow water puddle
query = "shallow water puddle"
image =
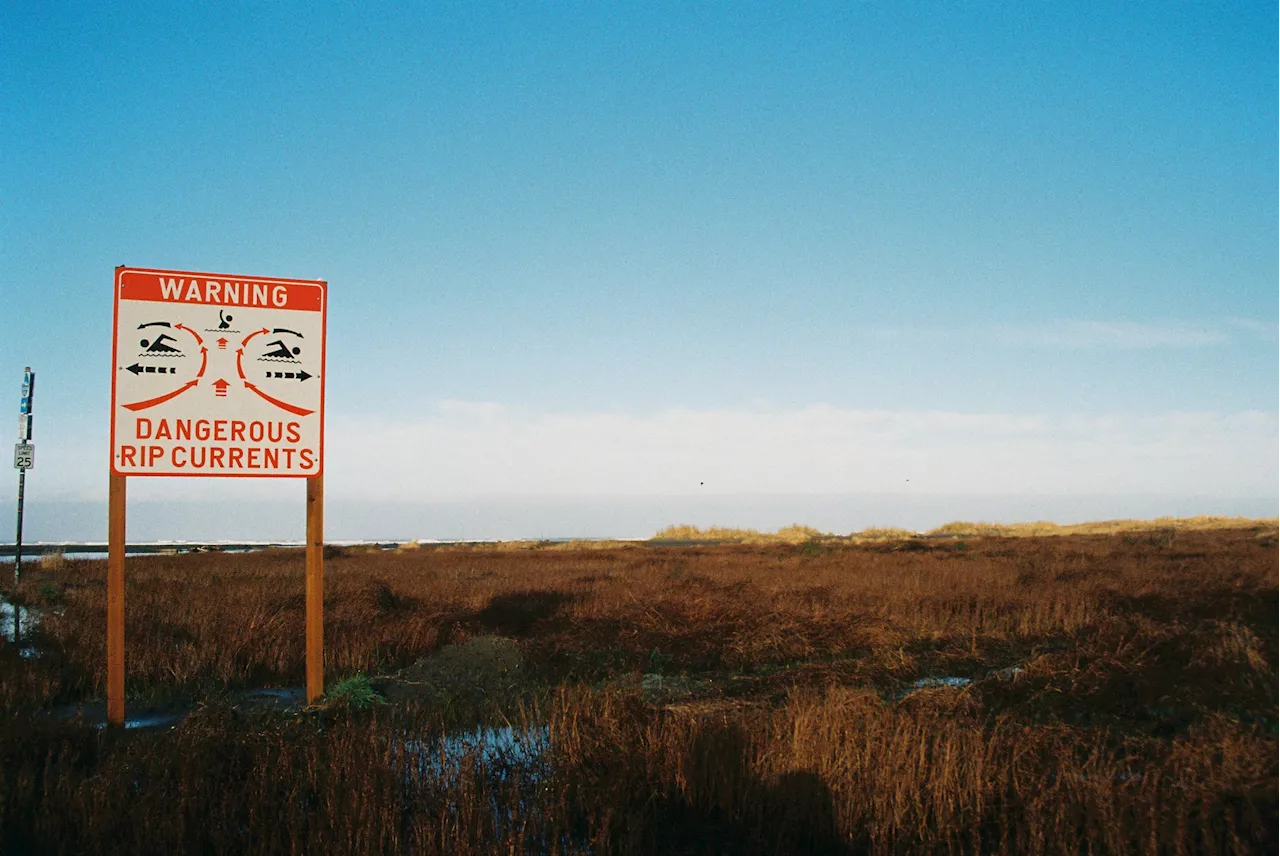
(499, 750)
(277, 699)
(1012, 673)
(513, 761)
(156, 721)
(17, 624)
(929, 683)
(501, 755)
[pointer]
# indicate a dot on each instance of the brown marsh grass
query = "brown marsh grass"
(1122, 698)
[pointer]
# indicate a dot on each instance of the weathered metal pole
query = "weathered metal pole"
(17, 541)
(25, 404)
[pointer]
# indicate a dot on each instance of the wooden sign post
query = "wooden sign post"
(115, 599)
(216, 375)
(315, 588)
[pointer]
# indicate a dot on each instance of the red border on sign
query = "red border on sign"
(117, 285)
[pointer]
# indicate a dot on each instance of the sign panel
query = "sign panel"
(28, 391)
(24, 456)
(217, 375)
(24, 404)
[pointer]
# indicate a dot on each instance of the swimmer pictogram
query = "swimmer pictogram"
(166, 346)
(158, 347)
(281, 351)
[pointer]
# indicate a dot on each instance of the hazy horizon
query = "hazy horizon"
(534, 518)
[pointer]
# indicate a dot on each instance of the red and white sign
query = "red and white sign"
(217, 375)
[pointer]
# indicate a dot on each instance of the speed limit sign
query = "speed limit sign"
(24, 456)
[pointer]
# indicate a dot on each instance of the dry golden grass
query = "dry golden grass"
(1105, 527)
(798, 534)
(793, 534)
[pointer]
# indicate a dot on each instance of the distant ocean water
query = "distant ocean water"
(590, 517)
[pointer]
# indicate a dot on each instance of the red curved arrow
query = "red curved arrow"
(152, 402)
(199, 341)
(301, 411)
(204, 361)
(240, 368)
(251, 335)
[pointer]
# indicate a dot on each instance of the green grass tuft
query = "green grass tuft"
(355, 691)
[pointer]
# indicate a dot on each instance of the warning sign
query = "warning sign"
(217, 375)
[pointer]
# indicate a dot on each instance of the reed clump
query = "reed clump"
(53, 560)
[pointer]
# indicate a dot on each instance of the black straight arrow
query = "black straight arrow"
(302, 375)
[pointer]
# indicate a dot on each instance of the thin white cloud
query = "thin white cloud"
(1120, 335)
(465, 449)
(1084, 334)
(468, 449)
(1268, 329)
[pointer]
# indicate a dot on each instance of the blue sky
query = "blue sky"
(566, 227)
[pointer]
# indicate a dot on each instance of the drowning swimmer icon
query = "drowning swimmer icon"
(224, 322)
